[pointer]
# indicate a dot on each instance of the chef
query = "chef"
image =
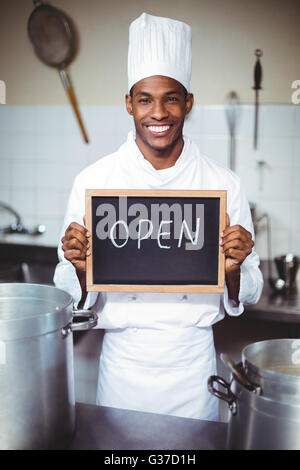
(158, 348)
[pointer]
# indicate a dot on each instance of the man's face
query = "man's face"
(158, 105)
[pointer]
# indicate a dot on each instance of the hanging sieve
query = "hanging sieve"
(53, 38)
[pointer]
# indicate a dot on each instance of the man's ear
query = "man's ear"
(128, 101)
(189, 101)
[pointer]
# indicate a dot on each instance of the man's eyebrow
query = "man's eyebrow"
(143, 93)
(172, 92)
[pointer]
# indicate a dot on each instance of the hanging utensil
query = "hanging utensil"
(257, 86)
(232, 112)
(53, 38)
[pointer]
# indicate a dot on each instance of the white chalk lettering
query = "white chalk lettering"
(112, 233)
(184, 227)
(161, 234)
(147, 234)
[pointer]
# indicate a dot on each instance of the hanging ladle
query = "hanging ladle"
(53, 39)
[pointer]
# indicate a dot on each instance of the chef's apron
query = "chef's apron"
(159, 371)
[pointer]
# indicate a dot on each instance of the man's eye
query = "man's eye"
(172, 99)
(144, 100)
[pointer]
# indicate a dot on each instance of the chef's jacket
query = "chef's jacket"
(158, 317)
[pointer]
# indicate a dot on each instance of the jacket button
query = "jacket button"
(184, 297)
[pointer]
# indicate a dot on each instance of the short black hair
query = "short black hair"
(185, 91)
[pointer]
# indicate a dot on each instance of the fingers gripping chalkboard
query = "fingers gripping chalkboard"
(155, 241)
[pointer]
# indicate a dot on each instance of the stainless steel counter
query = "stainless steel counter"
(103, 428)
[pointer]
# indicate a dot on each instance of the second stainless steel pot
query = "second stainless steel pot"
(257, 422)
(275, 366)
(37, 399)
(263, 396)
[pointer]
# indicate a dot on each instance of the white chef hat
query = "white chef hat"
(159, 46)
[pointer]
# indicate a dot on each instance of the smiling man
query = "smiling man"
(159, 106)
(158, 348)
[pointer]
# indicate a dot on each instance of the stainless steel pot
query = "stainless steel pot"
(264, 403)
(37, 399)
(275, 366)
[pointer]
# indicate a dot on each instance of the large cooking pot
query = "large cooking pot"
(263, 396)
(37, 399)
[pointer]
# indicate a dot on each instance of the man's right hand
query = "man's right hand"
(75, 245)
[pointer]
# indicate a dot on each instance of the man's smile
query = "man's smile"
(159, 130)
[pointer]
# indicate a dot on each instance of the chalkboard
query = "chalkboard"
(155, 241)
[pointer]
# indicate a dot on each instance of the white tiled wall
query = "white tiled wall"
(41, 151)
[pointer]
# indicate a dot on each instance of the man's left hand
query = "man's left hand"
(236, 242)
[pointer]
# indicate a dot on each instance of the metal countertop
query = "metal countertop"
(104, 428)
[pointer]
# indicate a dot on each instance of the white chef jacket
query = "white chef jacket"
(158, 349)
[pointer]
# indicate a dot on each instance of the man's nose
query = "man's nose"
(159, 111)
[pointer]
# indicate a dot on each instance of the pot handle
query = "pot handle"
(90, 322)
(240, 375)
(229, 397)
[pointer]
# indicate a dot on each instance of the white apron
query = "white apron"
(159, 371)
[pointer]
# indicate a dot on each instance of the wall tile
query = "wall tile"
(23, 119)
(280, 243)
(296, 153)
(295, 185)
(6, 126)
(24, 202)
(23, 147)
(213, 121)
(245, 122)
(277, 121)
(278, 153)
(102, 146)
(5, 217)
(276, 184)
(47, 204)
(69, 121)
(5, 173)
(23, 175)
(295, 217)
(295, 245)
(297, 124)
(215, 148)
(50, 120)
(49, 148)
(5, 146)
(5, 195)
(56, 177)
(280, 213)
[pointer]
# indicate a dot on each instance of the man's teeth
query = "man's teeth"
(158, 128)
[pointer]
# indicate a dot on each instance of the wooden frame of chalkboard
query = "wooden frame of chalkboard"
(117, 279)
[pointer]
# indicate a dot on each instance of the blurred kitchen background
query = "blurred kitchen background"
(42, 149)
